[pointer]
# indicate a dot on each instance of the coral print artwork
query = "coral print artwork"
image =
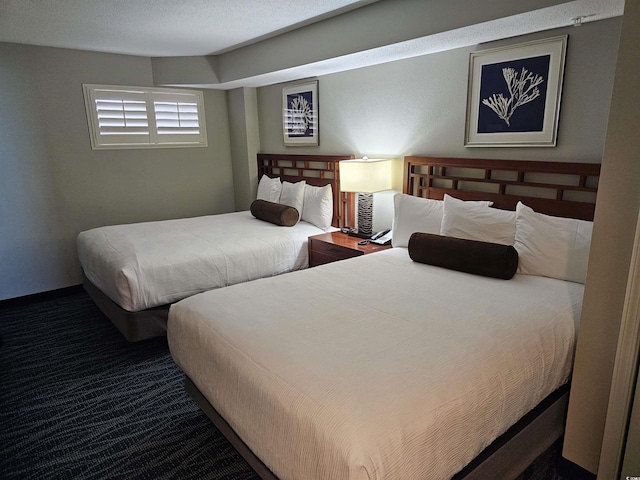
(300, 114)
(513, 95)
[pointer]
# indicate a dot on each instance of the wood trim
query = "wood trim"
(317, 170)
(505, 182)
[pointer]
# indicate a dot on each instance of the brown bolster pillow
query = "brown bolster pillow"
(275, 213)
(469, 256)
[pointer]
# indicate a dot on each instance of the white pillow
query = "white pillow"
(293, 195)
(318, 206)
(553, 247)
(269, 189)
(414, 214)
(477, 222)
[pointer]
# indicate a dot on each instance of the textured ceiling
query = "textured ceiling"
(158, 28)
(195, 28)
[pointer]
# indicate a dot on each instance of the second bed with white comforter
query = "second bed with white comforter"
(376, 367)
(143, 265)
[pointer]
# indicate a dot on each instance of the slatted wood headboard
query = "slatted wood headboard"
(317, 170)
(555, 188)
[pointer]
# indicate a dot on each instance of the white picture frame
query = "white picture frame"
(300, 119)
(513, 97)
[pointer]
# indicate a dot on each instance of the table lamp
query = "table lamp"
(365, 176)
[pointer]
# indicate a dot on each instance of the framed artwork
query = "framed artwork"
(300, 114)
(513, 97)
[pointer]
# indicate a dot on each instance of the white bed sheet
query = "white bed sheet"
(376, 367)
(144, 265)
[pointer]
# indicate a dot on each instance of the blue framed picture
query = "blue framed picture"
(300, 114)
(513, 98)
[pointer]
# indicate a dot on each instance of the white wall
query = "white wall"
(371, 29)
(245, 144)
(418, 106)
(616, 217)
(52, 185)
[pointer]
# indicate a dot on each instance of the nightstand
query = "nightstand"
(333, 246)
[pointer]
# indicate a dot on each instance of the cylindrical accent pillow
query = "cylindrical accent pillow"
(275, 213)
(470, 256)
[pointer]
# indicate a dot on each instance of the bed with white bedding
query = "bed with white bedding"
(385, 367)
(134, 272)
(411, 376)
(144, 265)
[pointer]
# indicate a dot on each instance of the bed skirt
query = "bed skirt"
(506, 458)
(135, 326)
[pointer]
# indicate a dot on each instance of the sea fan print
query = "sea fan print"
(523, 88)
(300, 115)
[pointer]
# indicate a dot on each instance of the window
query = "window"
(140, 117)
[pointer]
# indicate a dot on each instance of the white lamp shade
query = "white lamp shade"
(365, 175)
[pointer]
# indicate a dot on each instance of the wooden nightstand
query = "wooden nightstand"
(333, 246)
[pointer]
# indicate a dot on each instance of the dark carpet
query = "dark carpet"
(78, 401)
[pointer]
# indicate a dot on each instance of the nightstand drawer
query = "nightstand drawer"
(330, 247)
(333, 250)
(321, 253)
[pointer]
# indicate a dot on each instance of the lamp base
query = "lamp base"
(355, 233)
(365, 214)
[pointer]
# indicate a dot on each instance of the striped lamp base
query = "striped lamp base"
(365, 214)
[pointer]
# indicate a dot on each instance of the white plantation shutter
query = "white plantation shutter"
(138, 117)
(121, 117)
(177, 117)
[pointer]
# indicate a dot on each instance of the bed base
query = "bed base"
(135, 326)
(221, 424)
(506, 458)
(512, 452)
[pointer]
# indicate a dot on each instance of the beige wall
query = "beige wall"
(52, 185)
(245, 144)
(616, 215)
(375, 28)
(418, 106)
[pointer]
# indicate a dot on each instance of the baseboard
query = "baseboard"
(40, 297)
(569, 470)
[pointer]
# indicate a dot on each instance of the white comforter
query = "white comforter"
(143, 265)
(376, 367)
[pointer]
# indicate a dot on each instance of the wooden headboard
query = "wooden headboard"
(555, 188)
(317, 170)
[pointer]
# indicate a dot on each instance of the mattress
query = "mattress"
(376, 367)
(143, 265)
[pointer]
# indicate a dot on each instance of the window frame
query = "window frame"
(156, 137)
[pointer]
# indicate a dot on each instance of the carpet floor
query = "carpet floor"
(78, 401)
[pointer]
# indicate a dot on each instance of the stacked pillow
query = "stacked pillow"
(553, 247)
(415, 214)
(269, 189)
(547, 246)
(314, 204)
(474, 221)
